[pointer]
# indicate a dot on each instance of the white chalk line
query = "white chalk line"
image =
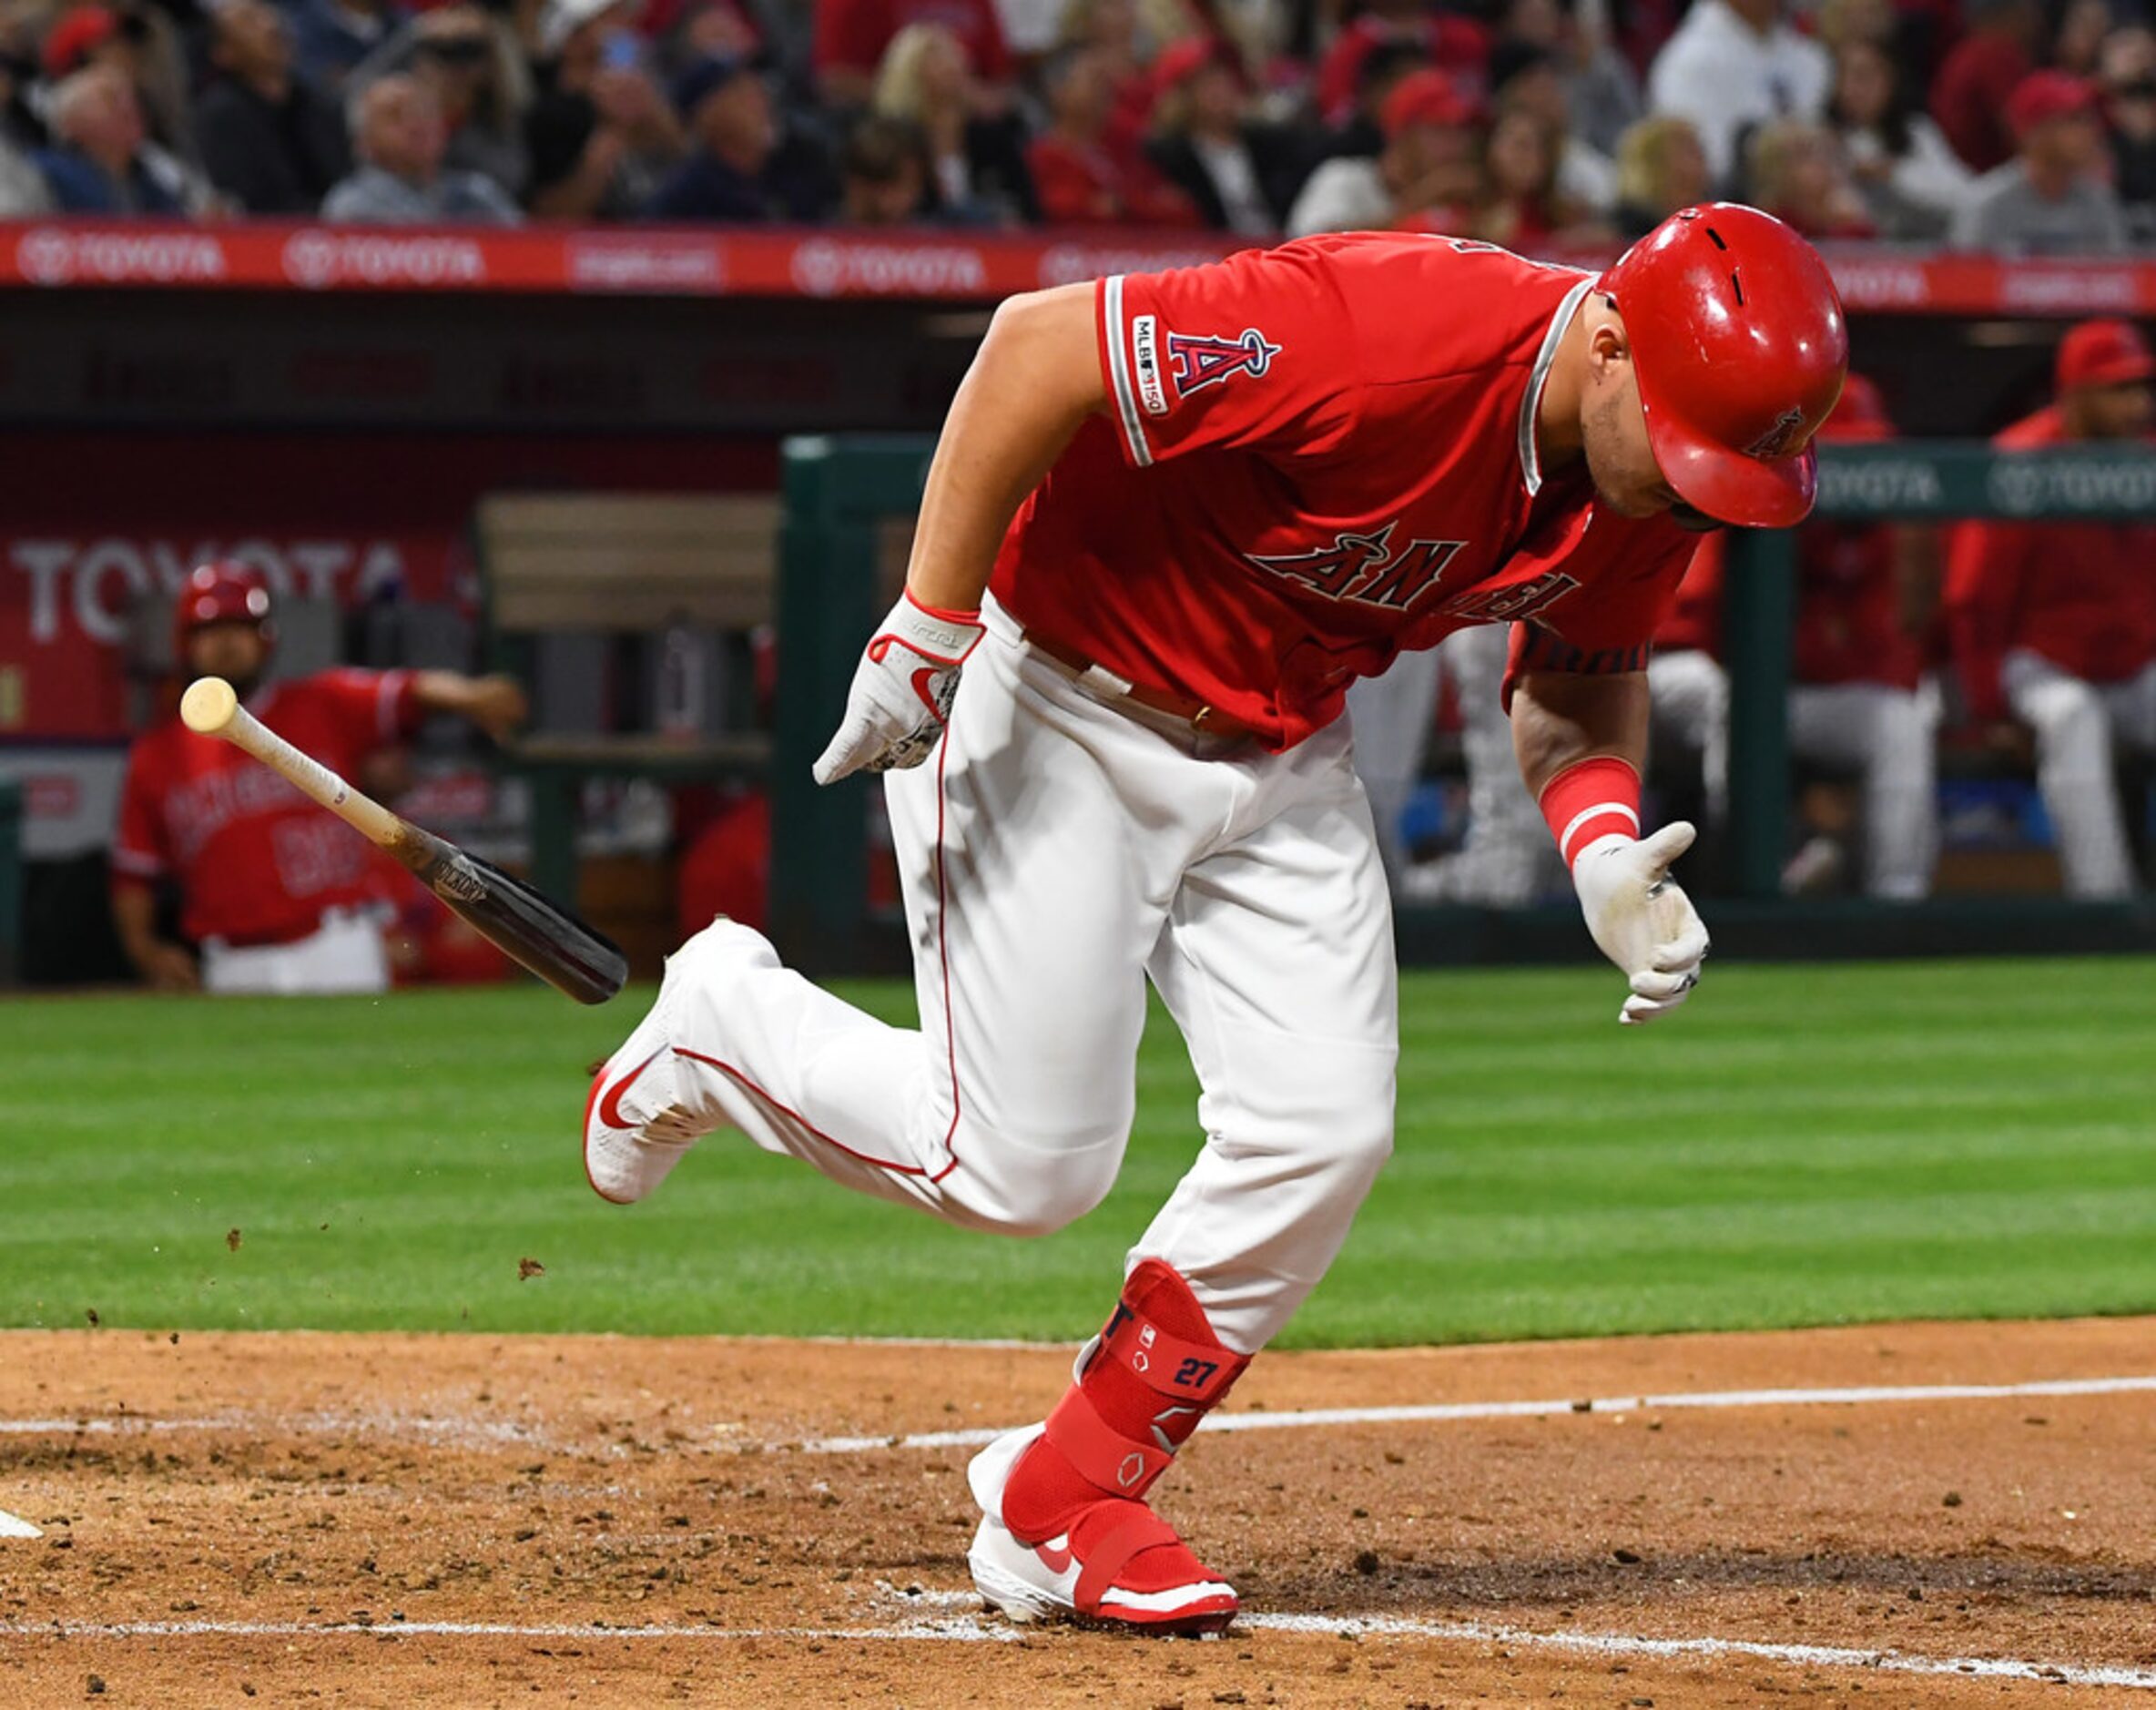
(971, 1629)
(1314, 1418)
(15, 1526)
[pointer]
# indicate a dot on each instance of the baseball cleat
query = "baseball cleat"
(1100, 1581)
(644, 1111)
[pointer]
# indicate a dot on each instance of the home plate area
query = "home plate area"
(1904, 1514)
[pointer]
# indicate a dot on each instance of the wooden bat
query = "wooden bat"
(555, 945)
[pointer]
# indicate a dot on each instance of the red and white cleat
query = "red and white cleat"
(647, 1106)
(1114, 1562)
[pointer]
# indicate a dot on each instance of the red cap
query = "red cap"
(1179, 62)
(1739, 348)
(1425, 97)
(78, 36)
(1860, 414)
(2103, 353)
(2044, 96)
(220, 593)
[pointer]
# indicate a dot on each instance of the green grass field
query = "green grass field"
(1804, 1145)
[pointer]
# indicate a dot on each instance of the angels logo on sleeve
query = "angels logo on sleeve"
(1200, 360)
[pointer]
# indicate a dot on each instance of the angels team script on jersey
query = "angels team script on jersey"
(1364, 567)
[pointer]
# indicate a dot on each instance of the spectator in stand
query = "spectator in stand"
(330, 37)
(1082, 177)
(269, 141)
(1912, 182)
(1661, 166)
(600, 136)
(1969, 96)
(1453, 43)
(1362, 134)
(1733, 64)
(2052, 197)
(399, 139)
(472, 65)
(1525, 77)
(852, 35)
(101, 162)
(275, 893)
(1858, 698)
(1431, 170)
(23, 194)
(1794, 171)
(977, 162)
(1602, 96)
(2077, 44)
(735, 172)
(1110, 29)
(882, 174)
(2055, 622)
(1524, 207)
(140, 40)
(1240, 174)
(2129, 105)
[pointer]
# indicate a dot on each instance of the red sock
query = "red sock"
(1157, 1371)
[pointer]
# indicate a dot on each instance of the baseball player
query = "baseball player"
(1859, 697)
(2055, 623)
(1170, 519)
(279, 895)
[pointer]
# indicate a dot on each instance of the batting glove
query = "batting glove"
(902, 690)
(1640, 917)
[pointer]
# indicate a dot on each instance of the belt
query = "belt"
(1202, 718)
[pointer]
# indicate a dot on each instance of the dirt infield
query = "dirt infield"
(466, 1520)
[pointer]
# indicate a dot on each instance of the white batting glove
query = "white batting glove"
(1640, 917)
(902, 690)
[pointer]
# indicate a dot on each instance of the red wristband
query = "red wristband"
(938, 613)
(1589, 801)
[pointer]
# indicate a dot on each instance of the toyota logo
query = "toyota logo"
(2016, 485)
(46, 256)
(820, 267)
(310, 259)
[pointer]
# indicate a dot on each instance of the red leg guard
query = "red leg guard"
(1157, 1371)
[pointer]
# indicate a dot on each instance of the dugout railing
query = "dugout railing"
(845, 496)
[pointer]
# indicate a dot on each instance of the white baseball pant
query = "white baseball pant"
(1509, 858)
(2075, 723)
(1888, 735)
(1689, 701)
(1392, 717)
(1055, 853)
(346, 955)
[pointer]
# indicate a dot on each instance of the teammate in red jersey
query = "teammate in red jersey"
(2055, 623)
(1170, 519)
(278, 894)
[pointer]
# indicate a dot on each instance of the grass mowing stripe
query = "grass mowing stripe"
(1803, 1145)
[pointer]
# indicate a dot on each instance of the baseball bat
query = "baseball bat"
(554, 944)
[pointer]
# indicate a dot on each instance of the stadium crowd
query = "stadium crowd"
(2000, 124)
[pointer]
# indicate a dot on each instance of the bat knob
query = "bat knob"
(208, 704)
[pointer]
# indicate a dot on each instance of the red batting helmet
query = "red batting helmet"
(220, 593)
(1739, 346)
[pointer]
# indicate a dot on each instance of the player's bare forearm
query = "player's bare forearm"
(163, 964)
(1561, 717)
(1036, 379)
(496, 704)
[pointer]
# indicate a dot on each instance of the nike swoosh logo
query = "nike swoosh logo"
(610, 1106)
(1058, 1561)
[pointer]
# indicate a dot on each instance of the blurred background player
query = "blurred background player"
(279, 895)
(2055, 623)
(1857, 698)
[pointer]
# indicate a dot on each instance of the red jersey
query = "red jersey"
(1317, 456)
(851, 34)
(1103, 187)
(258, 862)
(1848, 610)
(2082, 594)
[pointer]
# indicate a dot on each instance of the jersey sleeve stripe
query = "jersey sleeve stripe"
(388, 699)
(1116, 335)
(135, 864)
